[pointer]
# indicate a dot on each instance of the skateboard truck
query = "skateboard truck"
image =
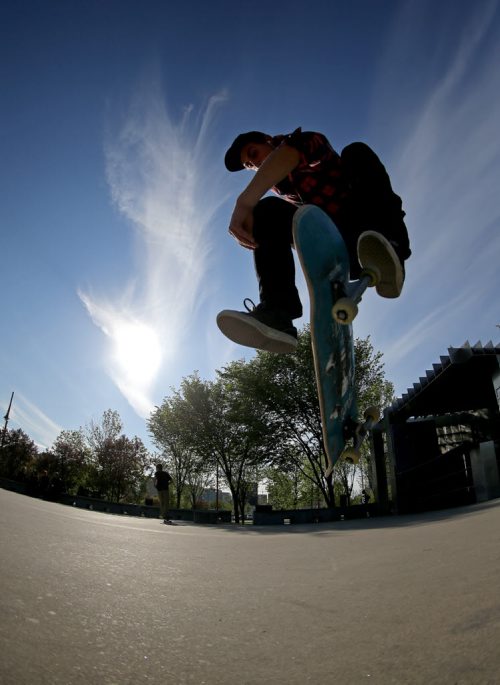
(352, 453)
(345, 309)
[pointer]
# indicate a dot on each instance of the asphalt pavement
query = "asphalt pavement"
(91, 598)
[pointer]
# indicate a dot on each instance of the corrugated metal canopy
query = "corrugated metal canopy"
(461, 381)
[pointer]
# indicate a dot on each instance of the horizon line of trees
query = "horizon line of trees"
(258, 420)
(97, 460)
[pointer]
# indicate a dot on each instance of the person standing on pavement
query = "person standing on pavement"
(162, 483)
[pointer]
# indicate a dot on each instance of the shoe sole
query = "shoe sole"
(250, 332)
(376, 252)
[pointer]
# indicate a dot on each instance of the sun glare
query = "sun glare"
(137, 351)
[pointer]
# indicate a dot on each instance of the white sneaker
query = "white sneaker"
(376, 253)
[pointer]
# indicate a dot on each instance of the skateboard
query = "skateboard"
(334, 303)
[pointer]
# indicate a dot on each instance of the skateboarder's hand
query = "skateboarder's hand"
(241, 226)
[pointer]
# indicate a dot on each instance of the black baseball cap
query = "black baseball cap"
(232, 160)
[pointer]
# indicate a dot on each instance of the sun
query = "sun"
(137, 351)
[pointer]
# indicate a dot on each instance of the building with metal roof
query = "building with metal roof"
(438, 445)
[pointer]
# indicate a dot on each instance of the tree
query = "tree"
(169, 426)
(17, 454)
(72, 455)
(213, 423)
(251, 440)
(117, 464)
(285, 488)
(264, 412)
(107, 430)
(198, 479)
(122, 464)
(285, 386)
(45, 480)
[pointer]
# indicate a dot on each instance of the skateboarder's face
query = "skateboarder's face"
(253, 154)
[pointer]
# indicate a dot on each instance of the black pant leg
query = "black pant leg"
(273, 258)
(371, 203)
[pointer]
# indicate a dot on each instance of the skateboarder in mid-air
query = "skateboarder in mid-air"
(353, 188)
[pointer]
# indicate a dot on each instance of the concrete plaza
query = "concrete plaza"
(91, 598)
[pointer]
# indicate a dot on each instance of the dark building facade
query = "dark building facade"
(438, 445)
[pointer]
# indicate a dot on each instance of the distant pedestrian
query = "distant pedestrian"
(365, 499)
(162, 482)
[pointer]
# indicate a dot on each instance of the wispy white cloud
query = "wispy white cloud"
(165, 179)
(33, 421)
(446, 166)
(449, 163)
(430, 327)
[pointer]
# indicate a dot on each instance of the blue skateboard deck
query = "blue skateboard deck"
(325, 263)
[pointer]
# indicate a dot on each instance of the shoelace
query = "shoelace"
(247, 299)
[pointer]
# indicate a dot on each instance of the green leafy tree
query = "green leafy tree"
(117, 464)
(285, 386)
(264, 413)
(122, 467)
(72, 456)
(199, 478)
(285, 488)
(216, 424)
(106, 430)
(171, 430)
(17, 455)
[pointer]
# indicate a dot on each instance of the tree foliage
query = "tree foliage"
(284, 386)
(71, 456)
(209, 425)
(170, 428)
(98, 460)
(262, 416)
(16, 455)
(116, 464)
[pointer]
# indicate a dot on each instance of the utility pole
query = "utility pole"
(6, 417)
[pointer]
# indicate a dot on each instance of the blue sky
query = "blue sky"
(115, 116)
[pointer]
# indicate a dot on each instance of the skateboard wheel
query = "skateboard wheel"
(351, 455)
(344, 310)
(372, 413)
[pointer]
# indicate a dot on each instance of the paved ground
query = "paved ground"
(97, 599)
